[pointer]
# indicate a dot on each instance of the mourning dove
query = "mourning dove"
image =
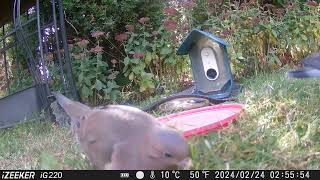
(122, 137)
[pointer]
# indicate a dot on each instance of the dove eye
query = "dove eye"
(168, 155)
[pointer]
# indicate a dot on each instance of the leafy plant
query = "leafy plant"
(94, 77)
(151, 58)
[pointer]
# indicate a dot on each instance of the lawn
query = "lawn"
(279, 129)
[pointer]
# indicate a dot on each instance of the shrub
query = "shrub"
(139, 49)
(95, 79)
(151, 54)
(263, 38)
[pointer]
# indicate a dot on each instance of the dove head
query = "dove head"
(74, 109)
(169, 149)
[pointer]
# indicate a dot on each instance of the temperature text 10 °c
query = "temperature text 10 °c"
(170, 174)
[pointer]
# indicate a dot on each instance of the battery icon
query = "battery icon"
(124, 175)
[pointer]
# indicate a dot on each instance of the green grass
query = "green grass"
(279, 129)
(39, 145)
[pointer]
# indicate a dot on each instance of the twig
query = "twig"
(65, 17)
(115, 47)
(106, 52)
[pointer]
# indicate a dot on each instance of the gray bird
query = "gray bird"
(310, 69)
(122, 137)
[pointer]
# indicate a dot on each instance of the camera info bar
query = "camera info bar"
(160, 174)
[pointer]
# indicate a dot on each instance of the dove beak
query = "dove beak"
(185, 164)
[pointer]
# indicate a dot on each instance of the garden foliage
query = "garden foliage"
(129, 47)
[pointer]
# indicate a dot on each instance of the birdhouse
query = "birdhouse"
(210, 63)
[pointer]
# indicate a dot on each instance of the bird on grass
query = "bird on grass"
(119, 137)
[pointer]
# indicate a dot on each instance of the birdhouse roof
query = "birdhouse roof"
(194, 36)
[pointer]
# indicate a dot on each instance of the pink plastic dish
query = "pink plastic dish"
(203, 120)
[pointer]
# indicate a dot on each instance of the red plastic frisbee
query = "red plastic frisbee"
(202, 120)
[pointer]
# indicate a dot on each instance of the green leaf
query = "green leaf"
(87, 81)
(126, 71)
(85, 91)
(99, 56)
(136, 43)
(112, 84)
(136, 70)
(297, 31)
(144, 44)
(170, 60)
(274, 33)
(178, 71)
(142, 88)
(114, 94)
(146, 84)
(147, 34)
(139, 69)
(304, 37)
(91, 75)
(107, 92)
(102, 64)
(130, 40)
(126, 61)
(148, 58)
(99, 85)
(147, 75)
(80, 78)
(155, 56)
(150, 85)
(154, 47)
(131, 76)
(165, 51)
(135, 60)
